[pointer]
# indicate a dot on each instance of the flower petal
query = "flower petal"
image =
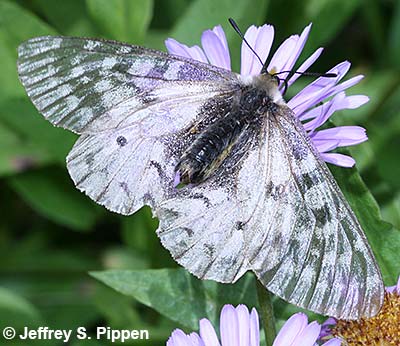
(322, 113)
(254, 328)
(338, 159)
(327, 92)
(179, 338)
(244, 324)
(207, 333)
(344, 135)
(327, 326)
(299, 48)
(391, 289)
(293, 326)
(394, 289)
(180, 49)
(308, 336)
(329, 108)
(177, 179)
(195, 339)
(282, 54)
(229, 326)
(350, 102)
(305, 65)
(260, 39)
(216, 48)
(221, 35)
(398, 286)
(320, 83)
(296, 51)
(325, 145)
(333, 342)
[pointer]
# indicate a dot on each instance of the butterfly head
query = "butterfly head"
(270, 83)
(273, 76)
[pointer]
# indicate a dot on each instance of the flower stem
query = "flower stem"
(267, 313)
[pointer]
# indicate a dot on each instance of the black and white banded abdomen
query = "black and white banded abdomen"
(214, 143)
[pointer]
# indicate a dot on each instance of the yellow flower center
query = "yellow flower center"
(381, 330)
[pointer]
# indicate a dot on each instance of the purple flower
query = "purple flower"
(238, 327)
(394, 289)
(307, 103)
(298, 332)
(382, 329)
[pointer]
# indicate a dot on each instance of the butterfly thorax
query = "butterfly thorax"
(214, 143)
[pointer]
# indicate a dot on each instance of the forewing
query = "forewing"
(128, 103)
(282, 216)
(88, 85)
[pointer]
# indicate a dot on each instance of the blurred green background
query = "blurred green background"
(52, 236)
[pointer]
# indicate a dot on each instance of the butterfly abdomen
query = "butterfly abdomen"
(214, 143)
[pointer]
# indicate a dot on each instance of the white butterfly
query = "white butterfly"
(258, 196)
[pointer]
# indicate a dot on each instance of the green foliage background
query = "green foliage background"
(52, 236)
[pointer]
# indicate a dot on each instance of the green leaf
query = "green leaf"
(68, 17)
(52, 194)
(20, 24)
(205, 14)
(123, 20)
(16, 155)
(139, 233)
(63, 299)
(382, 236)
(167, 12)
(326, 25)
(394, 37)
(388, 166)
(328, 17)
(391, 211)
(375, 26)
(378, 85)
(178, 295)
(117, 308)
(31, 141)
(16, 311)
(16, 26)
(385, 136)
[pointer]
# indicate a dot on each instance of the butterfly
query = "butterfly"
(220, 158)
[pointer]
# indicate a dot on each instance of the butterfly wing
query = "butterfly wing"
(272, 206)
(127, 103)
(275, 209)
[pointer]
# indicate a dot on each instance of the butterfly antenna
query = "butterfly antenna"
(316, 74)
(236, 28)
(285, 80)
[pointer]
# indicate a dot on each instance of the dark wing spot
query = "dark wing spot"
(279, 191)
(275, 191)
(121, 67)
(322, 215)
(148, 199)
(124, 187)
(189, 232)
(239, 225)
(306, 182)
(209, 250)
(203, 198)
(121, 140)
(189, 72)
(159, 169)
(158, 71)
(269, 188)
